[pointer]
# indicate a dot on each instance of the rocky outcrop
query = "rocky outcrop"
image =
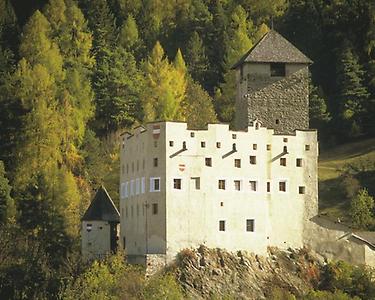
(213, 273)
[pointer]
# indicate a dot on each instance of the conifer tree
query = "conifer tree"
(318, 113)
(7, 207)
(352, 93)
(166, 86)
(196, 58)
(237, 43)
(129, 37)
(361, 209)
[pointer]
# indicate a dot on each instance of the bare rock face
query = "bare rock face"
(213, 273)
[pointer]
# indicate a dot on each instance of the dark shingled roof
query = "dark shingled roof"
(272, 47)
(102, 208)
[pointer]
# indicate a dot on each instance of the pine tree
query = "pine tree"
(352, 94)
(361, 209)
(166, 87)
(196, 58)
(319, 116)
(7, 207)
(198, 106)
(237, 43)
(129, 37)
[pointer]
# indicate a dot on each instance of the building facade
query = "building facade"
(239, 190)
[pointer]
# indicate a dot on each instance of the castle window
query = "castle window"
(131, 187)
(131, 209)
(277, 69)
(154, 208)
(222, 225)
(285, 149)
(221, 184)
(171, 143)
(299, 162)
(122, 169)
(127, 169)
(132, 167)
(177, 184)
(143, 164)
(137, 210)
(237, 185)
(282, 186)
(126, 211)
(255, 146)
(137, 186)
(203, 144)
(184, 145)
(155, 184)
(218, 145)
(237, 163)
(268, 147)
(268, 187)
(277, 121)
(253, 185)
(155, 144)
(283, 161)
(192, 134)
(234, 136)
(123, 242)
(234, 148)
(301, 189)
(126, 192)
(143, 185)
(250, 225)
(253, 160)
(197, 182)
(137, 165)
(208, 161)
(285, 140)
(221, 204)
(155, 162)
(307, 147)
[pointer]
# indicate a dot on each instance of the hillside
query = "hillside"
(342, 171)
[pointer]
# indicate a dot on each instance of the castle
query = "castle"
(243, 189)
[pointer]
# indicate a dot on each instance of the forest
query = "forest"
(76, 73)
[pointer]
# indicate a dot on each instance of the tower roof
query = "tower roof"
(102, 208)
(273, 47)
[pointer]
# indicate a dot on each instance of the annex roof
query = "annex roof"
(273, 47)
(102, 208)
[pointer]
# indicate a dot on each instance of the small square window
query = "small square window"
(197, 182)
(237, 163)
(237, 185)
(171, 143)
(268, 147)
(222, 225)
(221, 184)
(277, 69)
(234, 136)
(250, 225)
(192, 134)
(253, 160)
(208, 161)
(282, 186)
(155, 162)
(253, 185)
(154, 208)
(218, 145)
(299, 162)
(285, 140)
(255, 146)
(268, 187)
(307, 147)
(283, 161)
(277, 121)
(177, 184)
(301, 189)
(203, 144)
(221, 204)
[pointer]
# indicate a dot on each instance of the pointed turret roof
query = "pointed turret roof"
(102, 208)
(273, 47)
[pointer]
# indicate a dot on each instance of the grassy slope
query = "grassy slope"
(333, 200)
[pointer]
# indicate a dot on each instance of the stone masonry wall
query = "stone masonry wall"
(283, 99)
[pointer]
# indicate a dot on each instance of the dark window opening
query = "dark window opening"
(208, 161)
(177, 184)
(221, 225)
(250, 225)
(171, 143)
(203, 144)
(237, 163)
(155, 162)
(301, 190)
(299, 162)
(154, 208)
(221, 184)
(218, 145)
(277, 69)
(268, 187)
(253, 160)
(277, 121)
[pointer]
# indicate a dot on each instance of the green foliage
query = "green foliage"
(325, 295)
(129, 36)
(318, 113)
(165, 86)
(361, 209)
(198, 106)
(163, 287)
(281, 294)
(7, 207)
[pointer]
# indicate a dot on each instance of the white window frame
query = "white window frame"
(132, 187)
(126, 190)
(143, 185)
(152, 180)
(137, 186)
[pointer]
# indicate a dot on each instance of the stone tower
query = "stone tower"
(272, 86)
